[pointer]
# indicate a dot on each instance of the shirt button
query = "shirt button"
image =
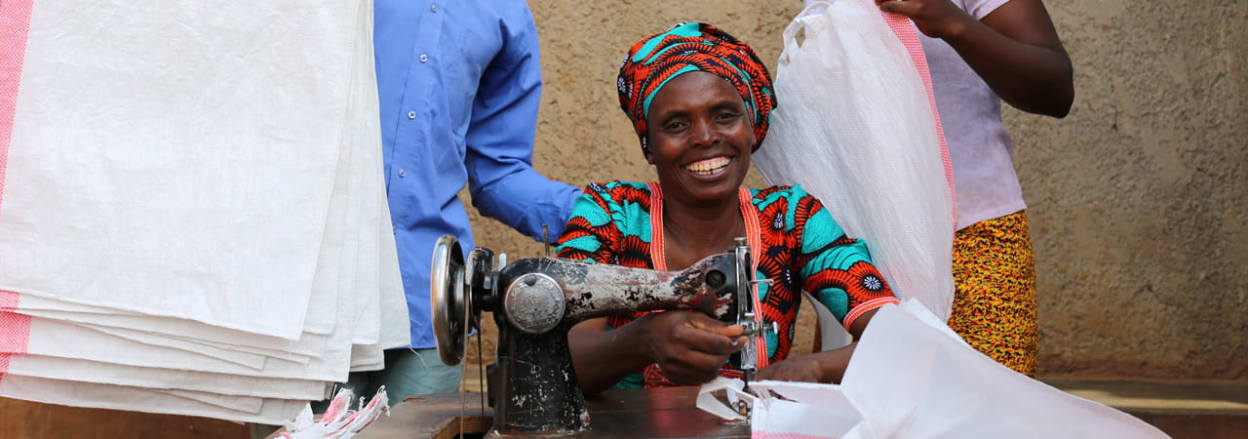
(402, 173)
(411, 114)
(424, 58)
(434, 7)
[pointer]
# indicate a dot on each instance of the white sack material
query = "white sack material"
(269, 411)
(192, 209)
(912, 377)
(856, 128)
(200, 160)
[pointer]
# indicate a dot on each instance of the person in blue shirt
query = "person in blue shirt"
(459, 85)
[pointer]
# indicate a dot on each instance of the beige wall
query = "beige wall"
(1138, 200)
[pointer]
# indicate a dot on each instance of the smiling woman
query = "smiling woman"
(700, 101)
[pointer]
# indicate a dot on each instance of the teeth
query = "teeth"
(708, 165)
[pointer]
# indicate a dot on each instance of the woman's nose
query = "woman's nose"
(704, 133)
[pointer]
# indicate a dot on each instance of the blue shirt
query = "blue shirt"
(459, 85)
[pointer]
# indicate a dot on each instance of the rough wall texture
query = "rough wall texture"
(1138, 199)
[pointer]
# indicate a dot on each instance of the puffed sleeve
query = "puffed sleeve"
(590, 233)
(835, 268)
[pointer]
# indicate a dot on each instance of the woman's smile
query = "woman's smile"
(701, 139)
(712, 167)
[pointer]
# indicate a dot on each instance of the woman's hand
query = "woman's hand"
(689, 346)
(1014, 48)
(805, 368)
(935, 18)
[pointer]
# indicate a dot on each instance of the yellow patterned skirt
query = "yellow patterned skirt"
(994, 306)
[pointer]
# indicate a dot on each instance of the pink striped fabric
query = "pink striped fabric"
(14, 26)
(766, 435)
(909, 37)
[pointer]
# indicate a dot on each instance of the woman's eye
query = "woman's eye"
(674, 126)
(727, 116)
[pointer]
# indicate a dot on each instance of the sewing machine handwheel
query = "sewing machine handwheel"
(448, 298)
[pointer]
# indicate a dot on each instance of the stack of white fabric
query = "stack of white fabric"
(192, 209)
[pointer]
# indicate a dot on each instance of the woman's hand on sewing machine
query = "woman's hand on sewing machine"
(690, 346)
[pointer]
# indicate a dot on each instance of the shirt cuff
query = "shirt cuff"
(863, 307)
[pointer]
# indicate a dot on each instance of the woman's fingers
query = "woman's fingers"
(909, 8)
(701, 321)
(710, 341)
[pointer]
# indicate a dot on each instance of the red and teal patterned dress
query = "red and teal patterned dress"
(794, 241)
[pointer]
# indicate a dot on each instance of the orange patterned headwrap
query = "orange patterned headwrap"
(687, 47)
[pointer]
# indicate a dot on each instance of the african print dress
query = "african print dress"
(794, 240)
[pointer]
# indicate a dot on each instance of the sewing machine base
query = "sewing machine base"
(653, 413)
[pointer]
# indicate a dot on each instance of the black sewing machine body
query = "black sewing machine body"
(533, 386)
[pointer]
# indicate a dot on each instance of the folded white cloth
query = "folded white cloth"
(198, 225)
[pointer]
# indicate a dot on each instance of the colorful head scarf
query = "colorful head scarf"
(687, 47)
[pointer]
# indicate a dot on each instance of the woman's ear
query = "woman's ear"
(649, 156)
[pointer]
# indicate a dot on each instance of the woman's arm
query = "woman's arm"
(839, 274)
(602, 358)
(819, 367)
(1015, 49)
(688, 345)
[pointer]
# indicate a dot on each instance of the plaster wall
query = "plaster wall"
(1138, 200)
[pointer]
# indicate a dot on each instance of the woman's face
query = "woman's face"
(700, 138)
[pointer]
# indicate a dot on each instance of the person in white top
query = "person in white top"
(981, 52)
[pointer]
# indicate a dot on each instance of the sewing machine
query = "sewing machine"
(533, 385)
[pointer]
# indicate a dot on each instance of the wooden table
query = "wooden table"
(617, 413)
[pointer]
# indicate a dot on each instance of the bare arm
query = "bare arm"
(1015, 49)
(688, 345)
(819, 367)
(602, 357)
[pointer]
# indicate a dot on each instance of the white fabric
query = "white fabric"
(979, 144)
(221, 245)
(270, 411)
(124, 148)
(912, 377)
(159, 378)
(806, 411)
(855, 128)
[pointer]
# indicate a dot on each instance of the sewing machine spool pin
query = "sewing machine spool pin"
(535, 301)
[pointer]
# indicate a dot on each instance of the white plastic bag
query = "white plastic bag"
(856, 127)
(788, 411)
(912, 377)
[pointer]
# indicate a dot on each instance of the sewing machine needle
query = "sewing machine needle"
(546, 239)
